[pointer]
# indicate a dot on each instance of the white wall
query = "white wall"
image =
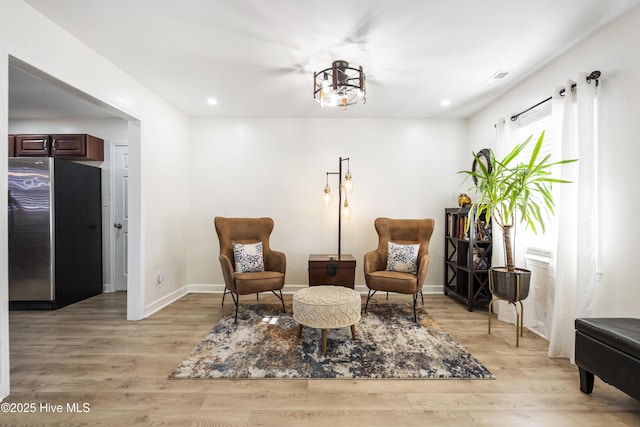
(610, 51)
(277, 168)
(157, 134)
(107, 129)
(111, 130)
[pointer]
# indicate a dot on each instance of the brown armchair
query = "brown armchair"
(247, 231)
(402, 232)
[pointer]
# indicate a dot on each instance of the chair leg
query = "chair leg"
(280, 298)
(369, 295)
(257, 297)
(422, 296)
(236, 300)
(415, 300)
(226, 291)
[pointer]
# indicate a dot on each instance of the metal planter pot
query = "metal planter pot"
(509, 285)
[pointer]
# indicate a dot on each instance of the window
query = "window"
(532, 124)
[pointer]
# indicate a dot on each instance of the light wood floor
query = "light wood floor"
(88, 353)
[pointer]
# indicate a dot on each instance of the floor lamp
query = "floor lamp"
(345, 184)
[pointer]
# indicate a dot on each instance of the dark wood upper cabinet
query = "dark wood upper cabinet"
(11, 143)
(32, 145)
(66, 146)
(77, 146)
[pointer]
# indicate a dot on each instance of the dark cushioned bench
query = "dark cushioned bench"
(610, 349)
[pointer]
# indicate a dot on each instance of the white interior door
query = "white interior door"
(120, 202)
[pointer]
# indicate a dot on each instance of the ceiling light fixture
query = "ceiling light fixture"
(339, 85)
(212, 101)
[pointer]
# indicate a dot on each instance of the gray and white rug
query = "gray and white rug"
(265, 344)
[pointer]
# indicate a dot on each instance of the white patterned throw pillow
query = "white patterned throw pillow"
(403, 258)
(248, 257)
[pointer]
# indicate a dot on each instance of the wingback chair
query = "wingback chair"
(248, 232)
(381, 274)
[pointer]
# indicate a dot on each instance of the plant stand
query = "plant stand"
(520, 293)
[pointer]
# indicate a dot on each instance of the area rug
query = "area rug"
(389, 344)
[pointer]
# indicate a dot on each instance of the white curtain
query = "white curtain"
(574, 265)
(571, 279)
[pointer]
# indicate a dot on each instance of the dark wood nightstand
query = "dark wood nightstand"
(329, 270)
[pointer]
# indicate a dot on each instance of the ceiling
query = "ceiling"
(257, 58)
(34, 95)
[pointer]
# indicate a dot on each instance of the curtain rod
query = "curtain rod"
(595, 75)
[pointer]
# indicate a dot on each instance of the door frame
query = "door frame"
(112, 213)
(4, 248)
(135, 282)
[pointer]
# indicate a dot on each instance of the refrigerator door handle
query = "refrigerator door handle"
(118, 226)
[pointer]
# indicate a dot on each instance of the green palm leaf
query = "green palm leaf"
(510, 187)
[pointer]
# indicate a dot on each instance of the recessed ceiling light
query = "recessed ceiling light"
(212, 101)
(445, 102)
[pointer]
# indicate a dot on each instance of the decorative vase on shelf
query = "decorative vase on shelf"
(464, 200)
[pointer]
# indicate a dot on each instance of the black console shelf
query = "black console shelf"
(468, 249)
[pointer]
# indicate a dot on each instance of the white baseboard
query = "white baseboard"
(433, 289)
(205, 289)
(292, 288)
(172, 297)
(163, 302)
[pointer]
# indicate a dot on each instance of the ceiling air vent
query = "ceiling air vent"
(496, 77)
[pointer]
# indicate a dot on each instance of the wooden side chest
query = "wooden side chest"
(329, 270)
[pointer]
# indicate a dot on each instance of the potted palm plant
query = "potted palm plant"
(508, 189)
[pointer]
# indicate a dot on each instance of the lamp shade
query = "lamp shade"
(347, 182)
(327, 196)
(346, 210)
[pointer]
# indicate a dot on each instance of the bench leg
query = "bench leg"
(586, 381)
(324, 340)
(353, 331)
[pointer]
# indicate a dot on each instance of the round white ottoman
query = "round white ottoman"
(326, 307)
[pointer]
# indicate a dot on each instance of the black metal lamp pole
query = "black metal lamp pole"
(339, 207)
(339, 173)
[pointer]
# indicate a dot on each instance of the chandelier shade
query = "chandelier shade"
(340, 85)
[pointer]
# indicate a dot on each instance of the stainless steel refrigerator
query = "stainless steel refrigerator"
(55, 232)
